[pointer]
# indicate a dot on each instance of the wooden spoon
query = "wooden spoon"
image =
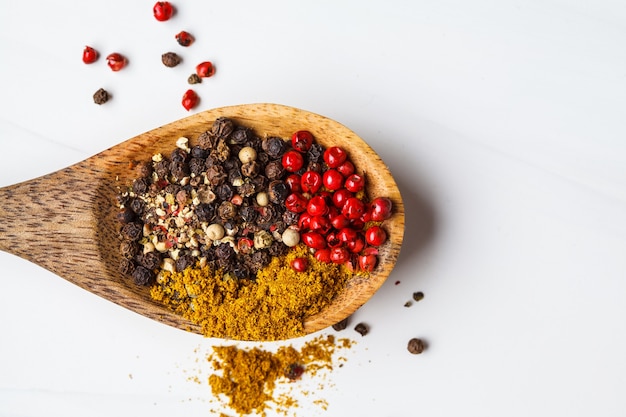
(66, 221)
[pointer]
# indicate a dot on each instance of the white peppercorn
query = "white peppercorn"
(247, 154)
(291, 237)
(215, 231)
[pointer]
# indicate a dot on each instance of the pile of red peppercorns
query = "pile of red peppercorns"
(163, 11)
(335, 221)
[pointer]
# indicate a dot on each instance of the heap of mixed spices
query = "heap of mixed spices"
(247, 236)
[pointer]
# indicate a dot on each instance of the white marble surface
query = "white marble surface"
(504, 123)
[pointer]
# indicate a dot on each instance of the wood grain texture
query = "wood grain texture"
(65, 221)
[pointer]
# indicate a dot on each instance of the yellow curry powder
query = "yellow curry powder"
(248, 377)
(273, 307)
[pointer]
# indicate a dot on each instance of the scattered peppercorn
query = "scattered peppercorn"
(339, 326)
(184, 38)
(170, 59)
(408, 304)
(417, 296)
(294, 371)
(194, 79)
(101, 96)
(416, 346)
(362, 329)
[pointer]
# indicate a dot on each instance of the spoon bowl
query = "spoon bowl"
(66, 221)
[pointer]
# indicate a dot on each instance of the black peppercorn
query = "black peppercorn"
(240, 271)
(205, 212)
(198, 152)
(274, 170)
(196, 165)
(289, 217)
(126, 215)
(241, 135)
(416, 346)
(222, 128)
(227, 210)
(179, 155)
(126, 266)
(274, 146)
(216, 175)
(224, 251)
(248, 214)
(129, 249)
(184, 262)
(207, 140)
(143, 276)
(150, 260)
(179, 169)
(315, 153)
(362, 329)
(250, 169)
(246, 190)
(170, 59)
(132, 231)
(224, 192)
(278, 191)
(417, 296)
(144, 169)
(162, 168)
(101, 96)
(140, 185)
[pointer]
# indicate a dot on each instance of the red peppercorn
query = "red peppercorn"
(162, 10)
(375, 236)
(339, 221)
(116, 61)
(190, 100)
(332, 179)
(332, 240)
(380, 209)
(356, 245)
(292, 161)
(320, 224)
(304, 221)
(311, 182)
(322, 255)
(296, 203)
(317, 206)
(245, 245)
(339, 255)
(354, 183)
(313, 240)
(90, 55)
(294, 182)
(353, 208)
(368, 262)
(335, 156)
(302, 140)
(347, 234)
(300, 264)
(184, 38)
(346, 168)
(340, 197)
(205, 69)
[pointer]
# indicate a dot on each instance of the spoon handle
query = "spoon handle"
(48, 221)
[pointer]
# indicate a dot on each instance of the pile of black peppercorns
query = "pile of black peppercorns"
(185, 177)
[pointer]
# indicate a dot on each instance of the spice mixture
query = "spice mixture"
(248, 236)
(248, 377)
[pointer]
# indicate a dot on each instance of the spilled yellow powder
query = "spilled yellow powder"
(248, 377)
(273, 307)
